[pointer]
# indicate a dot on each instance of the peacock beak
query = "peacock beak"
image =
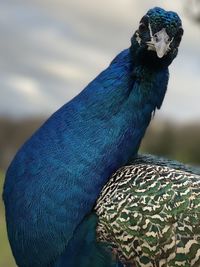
(161, 43)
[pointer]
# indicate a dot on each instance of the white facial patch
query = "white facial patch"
(160, 42)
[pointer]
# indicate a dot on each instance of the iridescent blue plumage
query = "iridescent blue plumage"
(56, 177)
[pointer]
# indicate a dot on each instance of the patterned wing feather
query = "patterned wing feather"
(150, 216)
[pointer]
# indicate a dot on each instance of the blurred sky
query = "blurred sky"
(50, 50)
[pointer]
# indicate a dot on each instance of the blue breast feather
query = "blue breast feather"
(56, 177)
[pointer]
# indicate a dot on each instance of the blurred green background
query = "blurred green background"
(51, 49)
(6, 259)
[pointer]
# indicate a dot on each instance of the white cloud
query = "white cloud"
(23, 96)
(25, 85)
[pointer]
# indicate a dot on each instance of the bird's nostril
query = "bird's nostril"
(156, 38)
(167, 40)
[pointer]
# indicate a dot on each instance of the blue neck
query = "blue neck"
(120, 91)
(118, 107)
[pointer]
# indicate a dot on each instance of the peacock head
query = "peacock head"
(159, 35)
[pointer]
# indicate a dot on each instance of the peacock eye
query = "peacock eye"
(179, 34)
(142, 27)
(180, 31)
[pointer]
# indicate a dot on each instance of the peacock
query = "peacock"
(55, 178)
(149, 213)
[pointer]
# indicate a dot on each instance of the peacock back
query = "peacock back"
(149, 215)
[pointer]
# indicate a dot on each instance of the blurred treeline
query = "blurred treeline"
(176, 141)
